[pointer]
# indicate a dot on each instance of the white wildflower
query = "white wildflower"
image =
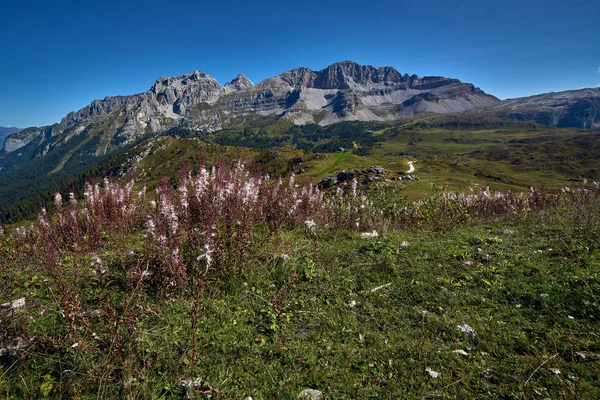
(57, 200)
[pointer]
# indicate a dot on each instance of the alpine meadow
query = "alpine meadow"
(343, 232)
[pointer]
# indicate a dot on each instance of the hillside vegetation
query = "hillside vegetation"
(225, 284)
(454, 152)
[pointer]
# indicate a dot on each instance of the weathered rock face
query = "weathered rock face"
(5, 132)
(573, 108)
(20, 139)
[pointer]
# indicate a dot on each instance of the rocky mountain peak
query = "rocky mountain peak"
(298, 77)
(163, 83)
(349, 75)
(240, 82)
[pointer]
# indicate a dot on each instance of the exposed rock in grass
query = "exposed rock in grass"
(466, 329)
(375, 169)
(310, 394)
(327, 182)
(461, 352)
(369, 179)
(408, 178)
(369, 235)
(345, 175)
(191, 383)
(433, 374)
(13, 305)
(12, 350)
(586, 356)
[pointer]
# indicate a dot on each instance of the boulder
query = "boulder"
(327, 182)
(345, 175)
(310, 394)
(376, 170)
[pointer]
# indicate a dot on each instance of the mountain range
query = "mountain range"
(344, 91)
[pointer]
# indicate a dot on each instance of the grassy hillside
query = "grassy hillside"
(233, 286)
(447, 151)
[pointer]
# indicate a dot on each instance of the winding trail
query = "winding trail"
(411, 167)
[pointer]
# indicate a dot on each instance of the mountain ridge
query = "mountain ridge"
(342, 91)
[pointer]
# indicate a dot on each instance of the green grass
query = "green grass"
(528, 286)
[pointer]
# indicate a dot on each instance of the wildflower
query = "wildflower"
(99, 269)
(57, 200)
(76, 344)
(72, 200)
(151, 227)
(311, 225)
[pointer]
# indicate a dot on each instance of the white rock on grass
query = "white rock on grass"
(310, 394)
(432, 373)
(466, 329)
(461, 352)
(13, 305)
(191, 383)
(369, 235)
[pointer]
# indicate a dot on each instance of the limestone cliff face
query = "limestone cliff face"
(20, 139)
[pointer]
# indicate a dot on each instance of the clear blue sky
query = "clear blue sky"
(57, 56)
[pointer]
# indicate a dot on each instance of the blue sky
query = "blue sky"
(58, 55)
